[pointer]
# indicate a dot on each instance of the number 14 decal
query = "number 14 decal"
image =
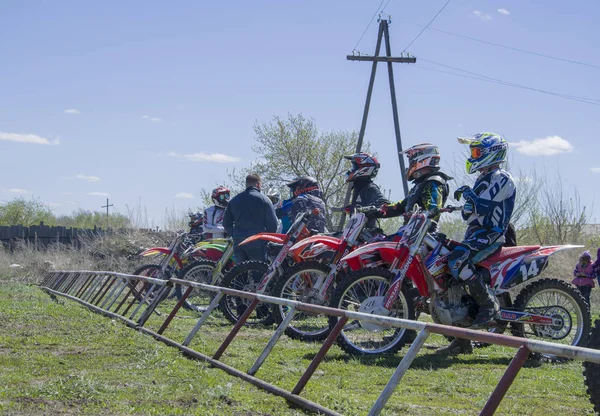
(533, 270)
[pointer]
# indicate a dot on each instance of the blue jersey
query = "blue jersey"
(492, 204)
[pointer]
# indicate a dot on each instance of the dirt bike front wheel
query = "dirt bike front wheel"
(298, 284)
(245, 277)
(368, 286)
(564, 303)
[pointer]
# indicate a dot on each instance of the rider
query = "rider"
(487, 209)
(275, 196)
(305, 197)
(365, 192)
(213, 215)
(430, 185)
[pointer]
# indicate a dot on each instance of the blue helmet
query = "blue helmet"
(487, 149)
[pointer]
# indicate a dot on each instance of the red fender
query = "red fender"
(329, 241)
(387, 250)
(272, 237)
(162, 250)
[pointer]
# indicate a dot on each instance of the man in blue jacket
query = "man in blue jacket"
(249, 213)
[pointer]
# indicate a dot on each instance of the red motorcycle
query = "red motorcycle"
(386, 273)
(318, 268)
(255, 276)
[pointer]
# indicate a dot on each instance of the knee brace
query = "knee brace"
(459, 263)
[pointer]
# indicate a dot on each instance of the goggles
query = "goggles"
(476, 152)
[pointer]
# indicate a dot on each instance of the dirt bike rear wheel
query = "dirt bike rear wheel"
(562, 300)
(245, 277)
(356, 338)
(200, 272)
(591, 371)
(296, 284)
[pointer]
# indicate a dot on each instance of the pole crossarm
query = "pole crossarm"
(401, 59)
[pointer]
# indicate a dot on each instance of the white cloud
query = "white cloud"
(206, 157)
(184, 195)
(155, 119)
(595, 170)
(481, 15)
(551, 145)
(26, 138)
(18, 191)
(105, 194)
(72, 111)
(505, 12)
(88, 178)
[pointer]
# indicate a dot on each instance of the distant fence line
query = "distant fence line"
(44, 235)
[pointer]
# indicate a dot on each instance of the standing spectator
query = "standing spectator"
(249, 213)
(584, 275)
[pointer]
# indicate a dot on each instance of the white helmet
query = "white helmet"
(421, 156)
(275, 196)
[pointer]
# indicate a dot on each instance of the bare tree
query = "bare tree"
(559, 217)
(293, 146)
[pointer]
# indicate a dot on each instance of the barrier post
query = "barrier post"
(506, 381)
(399, 373)
(278, 333)
(236, 328)
(213, 304)
(320, 355)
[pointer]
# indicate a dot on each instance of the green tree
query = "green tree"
(21, 211)
(293, 146)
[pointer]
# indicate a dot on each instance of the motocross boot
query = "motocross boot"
(488, 306)
(457, 346)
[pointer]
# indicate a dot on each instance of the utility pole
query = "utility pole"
(106, 206)
(383, 33)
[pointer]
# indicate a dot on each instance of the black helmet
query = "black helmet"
(304, 185)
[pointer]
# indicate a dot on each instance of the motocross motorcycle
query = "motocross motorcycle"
(313, 276)
(255, 276)
(384, 272)
(180, 252)
(185, 251)
(213, 259)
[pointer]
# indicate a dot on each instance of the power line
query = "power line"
(370, 23)
(384, 7)
(485, 78)
(556, 58)
(512, 84)
(427, 25)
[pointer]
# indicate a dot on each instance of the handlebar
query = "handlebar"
(434, 212)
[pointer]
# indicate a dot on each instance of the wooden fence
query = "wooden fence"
(44, 235)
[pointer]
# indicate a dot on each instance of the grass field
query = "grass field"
(57, 357)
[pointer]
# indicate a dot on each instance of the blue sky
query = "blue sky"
(148, 101)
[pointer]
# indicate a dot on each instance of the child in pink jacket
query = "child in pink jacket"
(584, 275)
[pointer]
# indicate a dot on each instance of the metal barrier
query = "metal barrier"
(108, 292)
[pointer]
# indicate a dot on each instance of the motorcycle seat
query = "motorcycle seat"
(507, 252)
